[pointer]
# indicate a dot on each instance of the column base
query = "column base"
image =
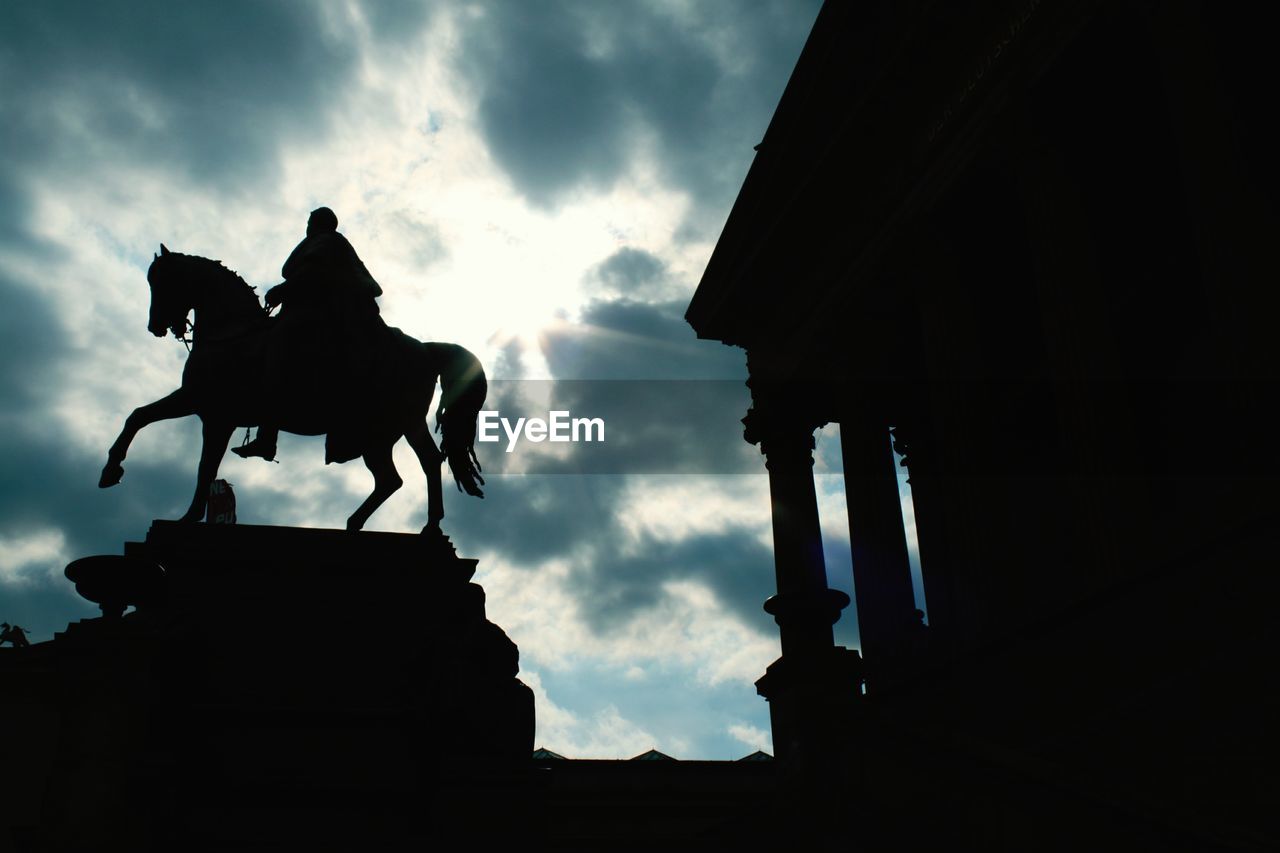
(811, 701)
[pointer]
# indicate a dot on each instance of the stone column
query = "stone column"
(810, 689)
(887, 622)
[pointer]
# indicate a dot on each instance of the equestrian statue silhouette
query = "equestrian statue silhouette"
(319, 368)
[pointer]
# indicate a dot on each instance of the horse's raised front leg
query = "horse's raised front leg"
(216, 437)
(430, 457)
(176, 405)
(385, 482)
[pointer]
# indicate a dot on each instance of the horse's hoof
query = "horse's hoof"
(111, 474)
(432, 529)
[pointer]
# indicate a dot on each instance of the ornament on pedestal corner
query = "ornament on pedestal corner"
(13, 634)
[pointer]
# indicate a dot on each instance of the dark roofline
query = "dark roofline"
(734, 247)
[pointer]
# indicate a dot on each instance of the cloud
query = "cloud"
(43, 608)
(605, 733)
(32, 347)
(420, 243)
(633, 274)
(207, 90)
(756, 738)
(19, 553)
(529, 520)
(735, 567)
(392, 22)
(509, 363)
(547, 109)
(624, 339)
(683, 715)
(578, 96)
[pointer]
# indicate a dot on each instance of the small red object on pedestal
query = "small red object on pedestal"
(222, 503)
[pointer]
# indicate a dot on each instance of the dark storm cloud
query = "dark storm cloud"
(572, 91)
(207, 89)
(32, 341)
(631, 274)
(48, 486)
(622, 339)
(731, 563)
(13, 203)
(548, 112)
(528, 520)
(397, 21)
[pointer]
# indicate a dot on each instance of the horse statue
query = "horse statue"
(225, 384)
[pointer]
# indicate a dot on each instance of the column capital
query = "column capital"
(781, 417)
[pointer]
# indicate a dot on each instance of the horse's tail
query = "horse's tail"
(463, 388)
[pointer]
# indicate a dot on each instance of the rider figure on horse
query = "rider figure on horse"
(327, 291)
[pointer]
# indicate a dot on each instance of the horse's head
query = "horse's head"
(168, 307)
(182, 283)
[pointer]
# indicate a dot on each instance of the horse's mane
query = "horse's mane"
(213, 272)
(212, 268)
(223, 271)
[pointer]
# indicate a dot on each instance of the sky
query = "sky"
(541, 182)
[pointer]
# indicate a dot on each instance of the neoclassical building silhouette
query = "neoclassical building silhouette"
(1033, 240)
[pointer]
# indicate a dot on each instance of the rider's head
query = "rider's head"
(323, 220)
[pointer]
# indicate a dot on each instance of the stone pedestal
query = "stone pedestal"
(280, 685)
